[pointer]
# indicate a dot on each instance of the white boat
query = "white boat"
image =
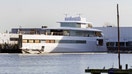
(73, 36)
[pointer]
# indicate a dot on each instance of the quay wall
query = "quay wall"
(9, 43)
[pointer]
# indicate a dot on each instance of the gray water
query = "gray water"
(59, 63)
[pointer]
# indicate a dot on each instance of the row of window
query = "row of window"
(63, 32)
(75, 33)
(53, 41)
(121, 44)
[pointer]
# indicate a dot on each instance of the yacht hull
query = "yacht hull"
(61, 44)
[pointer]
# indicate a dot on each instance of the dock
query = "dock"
(109, 71)
(10, 48)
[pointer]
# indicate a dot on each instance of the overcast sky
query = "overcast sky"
(35, 13)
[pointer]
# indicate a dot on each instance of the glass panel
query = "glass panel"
(110, 43)
(81, 41)
(100, 42)
(52, 41)
(31, 41)
(121, 43)
(42, 41)
(128, 43)
(14, 39)
(72, 41)
(98, 34)
(66, 33)
(91, 34)
(24, 41)
(47, 41)
(37, 41)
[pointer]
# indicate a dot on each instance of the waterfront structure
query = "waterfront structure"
(8, 38)
(111, 38)
(9, 43)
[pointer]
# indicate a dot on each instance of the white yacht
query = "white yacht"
(74, 36)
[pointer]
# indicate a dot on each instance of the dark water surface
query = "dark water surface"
(59, 63)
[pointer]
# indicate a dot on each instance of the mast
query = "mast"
(118, 37)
